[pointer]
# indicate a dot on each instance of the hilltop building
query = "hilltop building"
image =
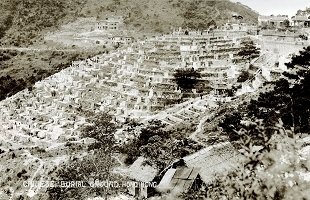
(110, 23)
(301, 21)
(276, 21)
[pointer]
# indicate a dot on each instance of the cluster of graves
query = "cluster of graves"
(133, 82)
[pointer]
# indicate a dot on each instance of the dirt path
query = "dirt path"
(31, 191)
(199, 128)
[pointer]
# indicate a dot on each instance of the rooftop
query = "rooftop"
(274, 18)
(301, 18)
(179, 180)
(212, 160)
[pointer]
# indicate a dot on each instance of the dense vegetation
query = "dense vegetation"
(197, 13)
(26, 22)
(275, 172)
(160, 144)
(97, 165)
(244, 76)
(186, 78)
(248, 50)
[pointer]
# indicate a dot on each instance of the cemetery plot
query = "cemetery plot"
(135, 81)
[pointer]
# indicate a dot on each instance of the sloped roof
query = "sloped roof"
(139, 172)
(178, 180)
(300, 18)
(165, 181)
(278, 18)
(212, 160)
(273, 18)
(264, 17)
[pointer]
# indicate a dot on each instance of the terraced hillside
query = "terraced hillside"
(39, 126)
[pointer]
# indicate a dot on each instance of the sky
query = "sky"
(275, 7)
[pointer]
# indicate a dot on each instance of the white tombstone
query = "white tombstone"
(138, 100)
(151, 92)
(118, 111)
(147, 100)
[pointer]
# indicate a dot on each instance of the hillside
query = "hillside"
(25, 22)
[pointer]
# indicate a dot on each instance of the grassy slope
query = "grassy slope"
(32, 19)
(160, 15)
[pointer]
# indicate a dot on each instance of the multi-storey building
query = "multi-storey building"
(110, 23)
(301, 21)
(276, 21)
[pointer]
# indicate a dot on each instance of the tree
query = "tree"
(269, 173)
(186, 78)
(211, 24)
(286, 23)
(141, 138)
(97, 165)
(160, 145)
(248, 50)
(102, 129)
(244, 76)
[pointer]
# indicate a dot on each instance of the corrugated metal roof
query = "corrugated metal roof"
(182, 173)
(165, 181)
(178, 180)
(194, 173)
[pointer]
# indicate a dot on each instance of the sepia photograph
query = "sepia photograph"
(154, 99)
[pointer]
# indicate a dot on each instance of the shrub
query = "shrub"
(19, 174)
(270, 173)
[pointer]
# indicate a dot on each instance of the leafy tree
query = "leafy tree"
(248, 50)
(303, 37)
(286, 23)
(162, 153)
(299, 65)
(97, 165)
(211, 24)
(159, 144)
(142, 137)
(244, 76)
(186, 78)
(102, 129)
(303, 12)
